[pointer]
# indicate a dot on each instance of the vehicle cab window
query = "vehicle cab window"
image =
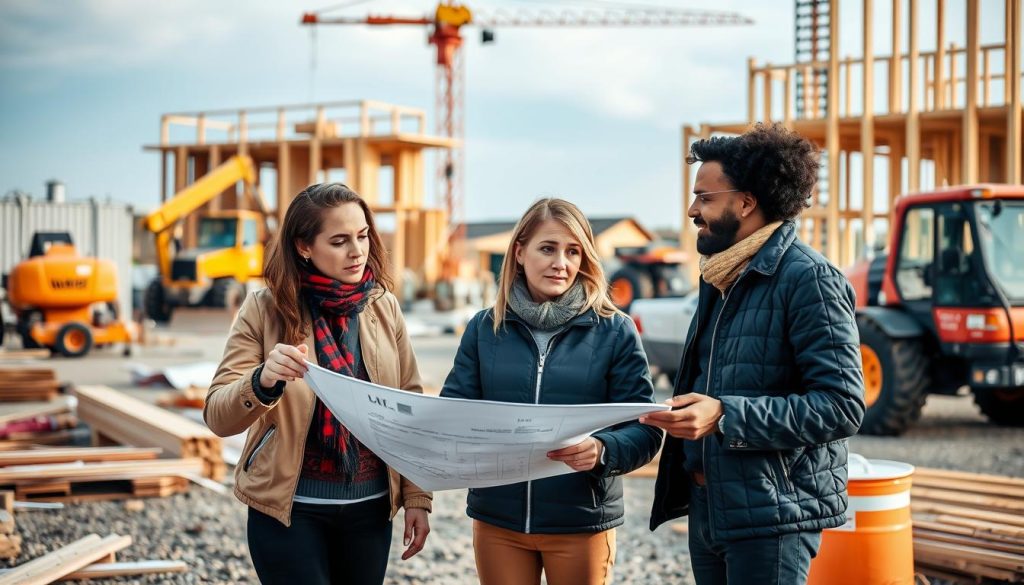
(914, 268)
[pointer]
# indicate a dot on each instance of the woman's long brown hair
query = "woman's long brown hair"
(302, 223)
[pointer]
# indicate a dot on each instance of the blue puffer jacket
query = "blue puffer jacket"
(593, 360)
(785, 362)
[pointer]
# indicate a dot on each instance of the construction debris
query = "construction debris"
(10, 541)
(125, 420)
(968, 526)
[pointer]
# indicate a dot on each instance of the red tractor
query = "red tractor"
(945, 308)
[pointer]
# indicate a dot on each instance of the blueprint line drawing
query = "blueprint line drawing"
(453, 443)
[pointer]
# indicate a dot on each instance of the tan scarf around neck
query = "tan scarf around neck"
(722, 269)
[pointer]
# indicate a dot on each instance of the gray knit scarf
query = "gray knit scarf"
(549, 314)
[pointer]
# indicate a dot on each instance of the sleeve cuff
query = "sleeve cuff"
(266, 395)
(422, 502)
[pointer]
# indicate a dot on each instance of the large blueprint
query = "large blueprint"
(449, 443)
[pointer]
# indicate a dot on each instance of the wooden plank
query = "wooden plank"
(932, 472)
(979, 501)
(44, 456)
(124, 569)
(75, 556)
(23, 354)
(963, 566)
(1007, 530)
(970, 486)
(937, 536)
(969, 528)
(1007, 561)
(100, 471)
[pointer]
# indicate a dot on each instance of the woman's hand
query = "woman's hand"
(417, 527)
(285, 362)
(581, 457)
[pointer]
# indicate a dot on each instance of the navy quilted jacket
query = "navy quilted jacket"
(593, 360)
(785, 362)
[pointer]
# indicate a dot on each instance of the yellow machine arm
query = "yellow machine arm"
(236, 168)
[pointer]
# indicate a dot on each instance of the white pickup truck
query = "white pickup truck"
(663, 324)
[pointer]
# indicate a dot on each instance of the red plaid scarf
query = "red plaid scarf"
(332, 304)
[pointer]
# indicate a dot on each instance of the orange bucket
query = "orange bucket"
(875, 546)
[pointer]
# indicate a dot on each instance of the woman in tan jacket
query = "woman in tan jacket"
(320, 503)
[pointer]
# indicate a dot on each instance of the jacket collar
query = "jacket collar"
(588, 317)
(767, 259)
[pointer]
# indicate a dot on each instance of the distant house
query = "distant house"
(486, 242)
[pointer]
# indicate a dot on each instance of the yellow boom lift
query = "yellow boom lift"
(229, 250)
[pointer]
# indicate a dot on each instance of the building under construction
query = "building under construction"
(377, 149)
(950, 115)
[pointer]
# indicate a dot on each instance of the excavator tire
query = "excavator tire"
(902, 379)
(1003, 406)
(25, 322)
(628, 284)
(226, 292)
(157, 307)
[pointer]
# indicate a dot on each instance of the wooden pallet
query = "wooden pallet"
(63, 482)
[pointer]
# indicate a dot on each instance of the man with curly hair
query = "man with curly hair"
(770, 384)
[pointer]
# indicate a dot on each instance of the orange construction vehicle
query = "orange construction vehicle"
(945, 308)
(646, 273)
(65, 301)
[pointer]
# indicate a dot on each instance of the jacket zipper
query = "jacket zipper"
(536, 400)
(542, 357)
(707, 392)
(785, 473)
(260, 445)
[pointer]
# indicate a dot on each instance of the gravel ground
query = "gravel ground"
(207, 530)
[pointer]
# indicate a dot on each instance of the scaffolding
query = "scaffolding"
(958, 120)
(361, 143)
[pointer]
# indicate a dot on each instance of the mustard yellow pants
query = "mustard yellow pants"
(507, 557)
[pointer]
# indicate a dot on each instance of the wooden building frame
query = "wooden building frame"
(940, 112)
(304, 144)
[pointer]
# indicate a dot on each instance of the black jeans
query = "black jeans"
(771, 560)
(325, 545)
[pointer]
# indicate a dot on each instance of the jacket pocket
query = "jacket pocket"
(785, 482)
(259, 447)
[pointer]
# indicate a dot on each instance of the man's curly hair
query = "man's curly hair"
(778, 166)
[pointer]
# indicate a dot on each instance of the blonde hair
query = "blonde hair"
(590, 274)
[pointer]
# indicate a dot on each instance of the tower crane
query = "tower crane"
(445, 28)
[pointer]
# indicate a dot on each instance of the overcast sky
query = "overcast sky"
(593, 115)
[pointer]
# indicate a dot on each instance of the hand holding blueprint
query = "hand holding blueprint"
(449, 443)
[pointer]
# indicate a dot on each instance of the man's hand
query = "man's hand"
(583, 456)
(692, 416)
(417, 527)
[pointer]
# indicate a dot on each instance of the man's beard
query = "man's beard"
(721, 234)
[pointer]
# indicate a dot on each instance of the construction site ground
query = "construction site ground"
(207, 530)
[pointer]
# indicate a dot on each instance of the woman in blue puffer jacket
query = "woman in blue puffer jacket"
(554, 337)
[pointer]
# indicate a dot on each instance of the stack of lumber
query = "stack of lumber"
(90, 557)
(87, 474)
(968, 526)
(28, 384)
(117, 417)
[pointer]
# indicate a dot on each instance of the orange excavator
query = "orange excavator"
(65, 301)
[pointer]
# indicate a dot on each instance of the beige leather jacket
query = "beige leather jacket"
(268, 471)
